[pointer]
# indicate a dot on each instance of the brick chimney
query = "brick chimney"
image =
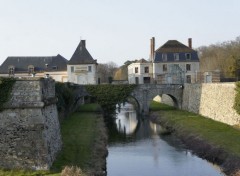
(190, 43)
(152, 48)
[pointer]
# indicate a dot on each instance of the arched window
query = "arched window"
(30, 69)
(11, 70)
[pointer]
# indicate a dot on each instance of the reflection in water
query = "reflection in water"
(143, 152)
(126, 120)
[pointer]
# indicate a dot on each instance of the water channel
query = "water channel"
(137, 148)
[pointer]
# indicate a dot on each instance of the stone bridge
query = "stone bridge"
(144, 94)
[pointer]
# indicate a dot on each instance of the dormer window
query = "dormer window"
(30, 69)
(176, 56)
(188, 56)
(54, 67)
(164, 57)
(11, 70)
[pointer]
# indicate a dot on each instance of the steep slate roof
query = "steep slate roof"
(174, 46)
(40, 64)
(81, 55)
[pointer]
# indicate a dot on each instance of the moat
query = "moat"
(139, 147)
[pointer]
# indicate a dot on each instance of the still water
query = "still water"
(137, 148)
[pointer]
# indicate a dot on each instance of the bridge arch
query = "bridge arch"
(145, 93)
(169, 100)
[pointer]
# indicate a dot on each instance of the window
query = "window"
(72, 69)
(176, 56)
(136, 69)
(89, 68)
(30, 69)
(188, 78)
(188, 67)
(11, 70)
(164, 57)
(54, 67)
(188, 56)
(164, 67)
(146, 69)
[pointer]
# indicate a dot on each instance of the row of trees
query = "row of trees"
(224, 57)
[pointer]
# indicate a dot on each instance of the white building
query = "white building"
(82, 68)
(140, 72)
(172, 63)
(54, 66)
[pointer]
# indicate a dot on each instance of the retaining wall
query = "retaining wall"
(29, 128)
(213, 100)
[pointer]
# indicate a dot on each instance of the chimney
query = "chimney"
(190, 43)
(152, 48)
(83, 43)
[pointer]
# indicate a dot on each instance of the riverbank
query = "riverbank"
(211, 140)
(84, 139)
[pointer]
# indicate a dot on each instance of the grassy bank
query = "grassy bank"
(84, 141)
(221, 139)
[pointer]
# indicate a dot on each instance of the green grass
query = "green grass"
(93, 107)
(156, 106)
(216, 133)
(78, 135)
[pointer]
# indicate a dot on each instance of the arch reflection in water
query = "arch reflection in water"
(126, 120)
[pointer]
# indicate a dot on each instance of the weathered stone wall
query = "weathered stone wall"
(29, 127)
(213, 100)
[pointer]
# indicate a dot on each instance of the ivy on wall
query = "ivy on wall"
(237, 98)
(65, 96)
(6, 85)
(108, 95)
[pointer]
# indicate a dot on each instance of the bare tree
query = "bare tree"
(223, 56)
(106, 71)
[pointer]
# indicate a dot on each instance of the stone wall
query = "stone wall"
(213, 100)
(29, 128)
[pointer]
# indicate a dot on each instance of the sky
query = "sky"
(114, 30)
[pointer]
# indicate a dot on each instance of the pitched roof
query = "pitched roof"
(21, 64)
(142, 61)
(81, 55)
(174, 46)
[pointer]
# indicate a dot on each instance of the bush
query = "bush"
(6, 85)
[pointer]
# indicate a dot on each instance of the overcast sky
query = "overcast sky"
(114, 30)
